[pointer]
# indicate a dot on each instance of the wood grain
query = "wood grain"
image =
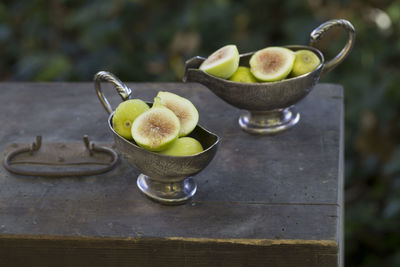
(258, 190)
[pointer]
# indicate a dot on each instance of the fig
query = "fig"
(222, 63)
(183, 146)
(157, 128)
(305, 62)
(183, 109)
(243, 75)
(272, 63)
(125, 114)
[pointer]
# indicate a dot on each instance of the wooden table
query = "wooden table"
(262, 201)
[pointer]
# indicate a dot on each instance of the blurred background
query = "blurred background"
(70, 40)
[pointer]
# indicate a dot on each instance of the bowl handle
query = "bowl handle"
(123, 90)
(316, 35)
(193, 63)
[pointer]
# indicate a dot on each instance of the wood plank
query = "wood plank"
(48, 251)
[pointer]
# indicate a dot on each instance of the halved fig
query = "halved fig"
(157, 128)
(223, 62)
(272, 63)
(183, 109)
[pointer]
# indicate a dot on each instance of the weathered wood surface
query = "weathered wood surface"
(263, 201)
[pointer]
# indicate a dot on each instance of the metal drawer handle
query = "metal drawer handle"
(35, 146)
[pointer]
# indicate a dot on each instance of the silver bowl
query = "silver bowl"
(270, 106)
(165, 179)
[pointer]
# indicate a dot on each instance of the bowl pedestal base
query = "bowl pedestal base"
(169, 193)
(269, 122)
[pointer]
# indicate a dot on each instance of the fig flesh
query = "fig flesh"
(272, 63)
(156, 129)
(222, 63)
(183, 109)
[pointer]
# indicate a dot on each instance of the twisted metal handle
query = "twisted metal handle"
(123, 90)
(319, 32)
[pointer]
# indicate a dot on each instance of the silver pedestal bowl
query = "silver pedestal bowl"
(165, 179)
(270, 106)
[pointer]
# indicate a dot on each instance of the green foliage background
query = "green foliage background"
(70, 40)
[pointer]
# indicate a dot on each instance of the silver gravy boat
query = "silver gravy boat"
(270, 106)
(165, 179)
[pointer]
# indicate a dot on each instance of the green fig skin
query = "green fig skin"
(183, 146)
(305, 62)
(243, 75)
(125, 114)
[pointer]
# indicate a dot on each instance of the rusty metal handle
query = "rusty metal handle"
(317, 34)
(123, 90)
(35, 146)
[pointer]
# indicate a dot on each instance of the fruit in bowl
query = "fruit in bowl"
(157, 128)
(243, 75)
(183, 146)
(305, 62)
(160, 128)
(184, 109)
(270, 64)
(222, 63)
(125, 114)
